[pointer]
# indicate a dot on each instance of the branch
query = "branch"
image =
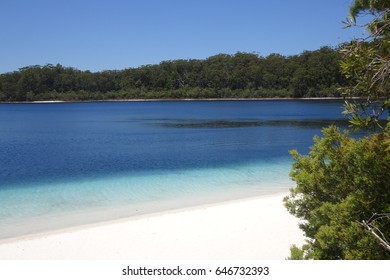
(375, 231)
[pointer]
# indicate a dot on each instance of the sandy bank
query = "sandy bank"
(258, 228)
(173, 99)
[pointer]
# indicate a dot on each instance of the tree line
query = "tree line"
(242, 75)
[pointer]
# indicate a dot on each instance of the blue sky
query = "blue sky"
(116, 34)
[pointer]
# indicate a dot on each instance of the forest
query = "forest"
(242, 75)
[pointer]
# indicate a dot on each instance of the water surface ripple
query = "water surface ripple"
(65, 164)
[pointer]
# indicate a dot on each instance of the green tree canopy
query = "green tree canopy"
(341, 183)
(242, 75)
(366, 64)
(342, 193)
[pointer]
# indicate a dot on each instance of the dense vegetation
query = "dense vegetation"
(340, 184)
(243, 75)
(343, 185)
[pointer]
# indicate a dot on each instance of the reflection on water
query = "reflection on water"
(224, 123)
(73, 159)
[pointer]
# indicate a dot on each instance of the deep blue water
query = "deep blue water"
(77, 158)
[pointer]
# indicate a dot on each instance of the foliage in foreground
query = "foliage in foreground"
(339, 184)
(343, 185)
(366, 65)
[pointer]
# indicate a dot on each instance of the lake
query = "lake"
(67, 164)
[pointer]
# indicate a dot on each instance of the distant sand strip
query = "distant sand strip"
(258, 228)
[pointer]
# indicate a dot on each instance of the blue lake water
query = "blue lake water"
(67, 164)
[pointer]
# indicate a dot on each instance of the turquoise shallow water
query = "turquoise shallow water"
(70, 203)
(69, 164)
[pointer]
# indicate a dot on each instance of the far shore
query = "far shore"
(162, 100)
(253, 228)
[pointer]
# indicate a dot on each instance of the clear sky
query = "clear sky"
(116, 34)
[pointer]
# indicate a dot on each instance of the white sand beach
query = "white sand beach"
(256, 228)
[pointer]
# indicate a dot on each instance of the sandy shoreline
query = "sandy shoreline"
(170, 99)
(255, 228)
